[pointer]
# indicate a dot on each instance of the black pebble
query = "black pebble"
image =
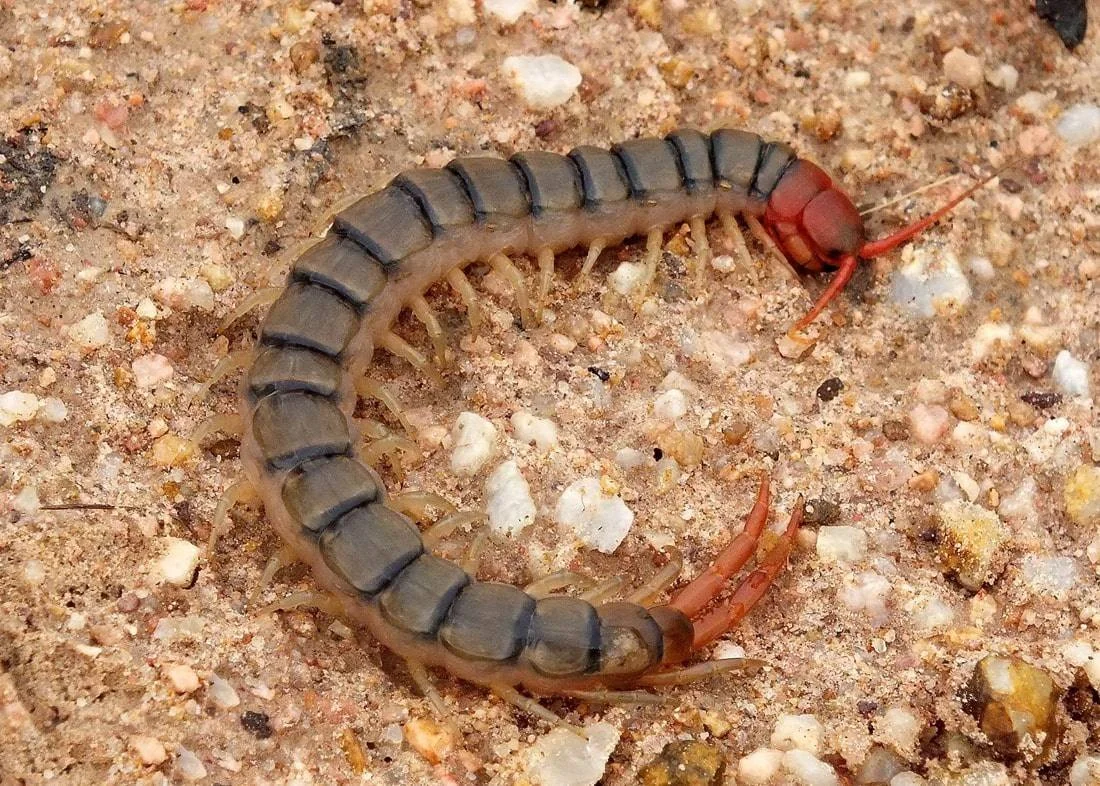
(257, 724)
(1042, 400)
(1069, 18)
(829, 389)
(600, 373)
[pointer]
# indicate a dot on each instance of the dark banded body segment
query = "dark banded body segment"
(283, 369)
(389, 224)
(552, 181)
(290, 428)
(312, 317)
(418, 599)
(602, 177)
(320, 491)
(693, 149)
(488, 622)
(370, 547)
(775, 157)
(652, 169)
(735, 155)
(441, 196)
(631, 641)
(343, 266)
(564, 639)
(494, 186)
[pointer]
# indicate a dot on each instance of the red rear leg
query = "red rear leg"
(706, 586)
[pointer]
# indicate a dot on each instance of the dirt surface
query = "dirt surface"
(160, 161)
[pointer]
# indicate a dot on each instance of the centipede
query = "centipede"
(302, 449)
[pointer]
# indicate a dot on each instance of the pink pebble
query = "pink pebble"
(928, 423)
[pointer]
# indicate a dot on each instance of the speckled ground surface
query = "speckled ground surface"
(159, 162)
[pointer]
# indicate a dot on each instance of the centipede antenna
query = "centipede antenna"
(879, 247)
(902, 197)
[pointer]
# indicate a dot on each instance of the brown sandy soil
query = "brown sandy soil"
(162, 160)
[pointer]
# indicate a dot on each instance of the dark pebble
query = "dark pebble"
(1042, 400)
(602, 375)
(830, 389)
(1069, 18)
(895, 430)
(819, 512)
(257, 724)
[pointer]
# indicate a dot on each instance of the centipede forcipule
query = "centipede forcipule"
(300, 445)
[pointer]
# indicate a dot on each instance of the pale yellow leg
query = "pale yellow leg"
(505, 268)
(703, 253)
(740, 248)
(423, 682)
(620, 697)
(604, 590)
(227, 423)
(390, 447)
(395, 345)
(653, 243)
(415, 504)
(232, 362)
(422, 311)
(296, 600)
(700, 671)
(258, 299)
(471, 563)
(660, 581)
(280, 559)
(780, 263)
(532, 707)
(594, 251)
(220, 521)
(541, 588)
(465, 290)
(370, 388)
(546, 277)
(449, 524)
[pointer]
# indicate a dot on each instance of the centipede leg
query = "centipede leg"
(594, 251)
(276, 562)
(505, 268)
(703, 253)
(532, 707)
(416, 504)
(728, 614)
(546, 276)
(390, 448)
(604, 590)
(541, 588)
(219, 523)
(234, 361)
(449, 524)
(700, 671)
(779, 259)
(370, 388)
(660, 581)
(395, 345)
(708, 584)
(653, 244)
(296, 600)
(621, 698)
(226, 423)
(424, 684)
(261, 297)
(737, 238)
(423, 312)
(465, 291)
(471, 563)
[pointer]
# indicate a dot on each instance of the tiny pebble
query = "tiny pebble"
(182, 678)
(257, 724)
(760, 767)
(177, 566)
(529, 428)
(930, 283)
(1071, 375)
(149, 750)
(563, 758)
(190, 768)
(1079, 125)
(670, 405)
(598, 520)
(235, 226)
(544, 81)
(474, 443)
(803, 732)
(809, 770)
(16, 406)
(508, 500)
(151, 370)
(857, 80)
(222, 693)
(830, 389)
(90, 332)
(963, 68)
(430, 739)
(841, 544)
(1004, 76)
(509, 11)
(928, 423)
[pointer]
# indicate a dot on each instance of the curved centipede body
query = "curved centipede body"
(300, 443)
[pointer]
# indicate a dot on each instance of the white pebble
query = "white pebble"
(899, 728)
(508, 500)
(146, 309)
(927, 423)
(627, 277)
(988, 337)
(908, 778)
(631, 458)
(1085, 770)
(982, 268)
(963, 68)
(867, 592)
(930, 283)
(670, 405)
(26, 501)
(508, 11)
(1049, 574)
(474, 443)
(598, 520)
(183, 294)
(1079, 125)
(178, 564)
(15, 406)
(841, 544)
(808, 769)
(544, 81)
(190, 768)
(222, 693)
(723, 263)
(182, 678)
(759, 767)
(857, 80)
(90, 332)
(930, 614)
(53, 410)
(149, 749)
(1004, 76)
(1071, 376)
(563, 758)
(528, 428)
(235, 226)
(151, 370)
(803, 732)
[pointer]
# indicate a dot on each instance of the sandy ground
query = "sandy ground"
(161, 160)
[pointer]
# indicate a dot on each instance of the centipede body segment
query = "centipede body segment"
(300, 446)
